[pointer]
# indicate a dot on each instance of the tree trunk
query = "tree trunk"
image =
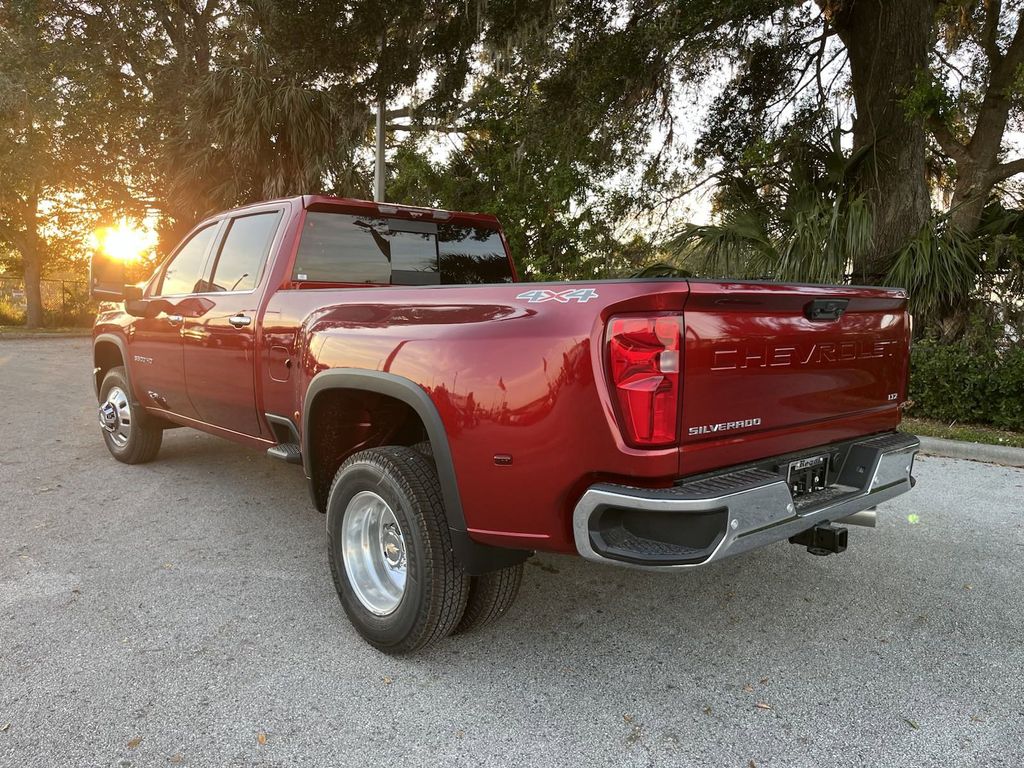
(970, 193)
(32, 262)
(887, 42)
(977, 163)
(33, 294)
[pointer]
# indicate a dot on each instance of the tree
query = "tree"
(801, 218)
(241, 101)
(887, 43)
(973, 94)
(58, 137)
(554, 134)
(929, 91)
(834, 122)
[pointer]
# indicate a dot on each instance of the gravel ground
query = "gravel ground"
(181, 613)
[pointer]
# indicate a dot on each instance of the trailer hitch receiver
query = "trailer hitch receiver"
(822, 540)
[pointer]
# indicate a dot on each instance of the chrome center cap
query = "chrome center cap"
(393, 547)
(108, 416)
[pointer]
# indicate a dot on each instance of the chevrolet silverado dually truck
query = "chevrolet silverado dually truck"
(451, 420)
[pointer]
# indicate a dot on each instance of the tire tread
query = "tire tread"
(490, 596)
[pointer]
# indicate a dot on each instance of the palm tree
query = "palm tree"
(799, 218)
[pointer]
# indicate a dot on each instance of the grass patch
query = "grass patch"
(971, 433)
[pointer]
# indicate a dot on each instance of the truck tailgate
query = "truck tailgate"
(774, 368)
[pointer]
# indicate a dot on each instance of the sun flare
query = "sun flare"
(124, 241)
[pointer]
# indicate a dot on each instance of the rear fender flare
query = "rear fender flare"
(412, 395)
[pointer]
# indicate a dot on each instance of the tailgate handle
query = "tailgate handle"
(825, 310)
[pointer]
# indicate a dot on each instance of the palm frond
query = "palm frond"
(739, 245)
(939, 269)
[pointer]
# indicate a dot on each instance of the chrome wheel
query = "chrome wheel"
(374, 552)
(116, 417)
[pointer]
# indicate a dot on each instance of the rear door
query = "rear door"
(220, 343)
(772, 360)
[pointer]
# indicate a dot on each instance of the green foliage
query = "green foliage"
(257, 130)
(768, 63)
(971, 433)
(10, 313)
(799, 219)
(938, 268)
(968, 382)
(75, 310)
(544, 136)
(950, 274)
(562, 118)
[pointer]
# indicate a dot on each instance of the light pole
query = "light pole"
(378, 167)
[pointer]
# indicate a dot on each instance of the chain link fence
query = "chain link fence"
(65, 302)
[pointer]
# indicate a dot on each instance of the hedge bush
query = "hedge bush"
(11, 314)
(72, 314)
(979, 384)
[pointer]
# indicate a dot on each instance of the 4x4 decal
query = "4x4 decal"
(540, 295)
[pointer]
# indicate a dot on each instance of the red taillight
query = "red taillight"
(644, 363)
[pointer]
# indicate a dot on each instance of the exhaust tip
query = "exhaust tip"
(866, 517)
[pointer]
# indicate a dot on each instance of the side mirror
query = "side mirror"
(135, 305)
(106, 278)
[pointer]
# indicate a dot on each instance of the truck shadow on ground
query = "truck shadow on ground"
(780, 596)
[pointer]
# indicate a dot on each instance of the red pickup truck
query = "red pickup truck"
(452, 420)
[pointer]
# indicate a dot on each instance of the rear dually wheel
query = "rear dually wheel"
(390, 550)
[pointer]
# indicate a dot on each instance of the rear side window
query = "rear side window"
(243, 252)
(338, 248)
(184, 272)
(341, 248)
(472, 255)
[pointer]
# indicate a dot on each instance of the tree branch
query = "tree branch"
(948, 143)
(990, 32)
(818, 64)
(1006, 68)
(1005, 170)
(950, 65)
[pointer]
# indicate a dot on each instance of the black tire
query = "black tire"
(436, 586)
(143, 440)
(490, 596)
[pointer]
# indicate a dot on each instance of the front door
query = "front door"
(156, 366)
(220, 344)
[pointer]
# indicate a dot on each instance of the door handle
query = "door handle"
(240, 321)
(174, 319)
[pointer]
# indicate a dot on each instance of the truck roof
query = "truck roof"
(354, 205)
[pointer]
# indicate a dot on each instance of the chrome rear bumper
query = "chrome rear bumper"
(704, 520)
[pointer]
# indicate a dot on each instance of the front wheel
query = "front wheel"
(390, 550)
(128, 435)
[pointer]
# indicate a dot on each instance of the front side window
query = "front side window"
(184, 273)
(243, 252)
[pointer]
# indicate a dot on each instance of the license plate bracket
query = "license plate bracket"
(808, 475)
